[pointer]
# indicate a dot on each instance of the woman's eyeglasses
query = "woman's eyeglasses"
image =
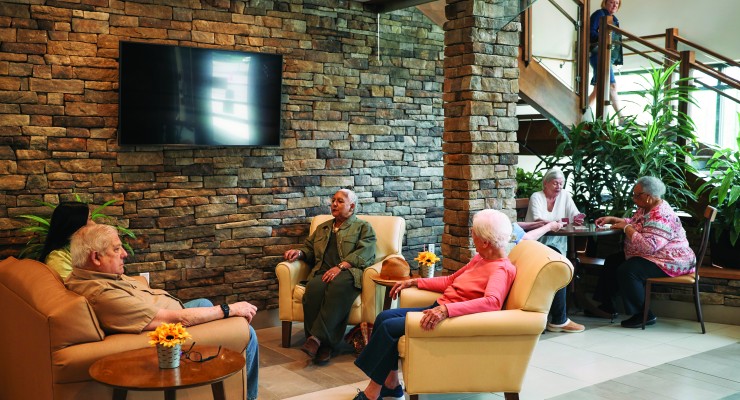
(196, 356)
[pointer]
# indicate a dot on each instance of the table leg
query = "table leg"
(119, 394)
(218, 391)
(576, 297)
(387, 300)
(170, 394)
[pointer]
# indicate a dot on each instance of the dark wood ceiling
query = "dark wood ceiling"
(382, 6)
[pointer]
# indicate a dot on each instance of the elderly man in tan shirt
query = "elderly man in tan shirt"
(124, 304)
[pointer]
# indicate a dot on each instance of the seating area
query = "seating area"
(671, 360)
(207, 139)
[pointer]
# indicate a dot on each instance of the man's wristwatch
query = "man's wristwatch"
(225, 308)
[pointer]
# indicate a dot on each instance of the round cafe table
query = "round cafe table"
(571, 232)
(139, 370)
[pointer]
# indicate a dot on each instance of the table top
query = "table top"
(589, 229)
(139, 370)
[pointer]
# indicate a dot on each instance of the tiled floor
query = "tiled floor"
(670, 360)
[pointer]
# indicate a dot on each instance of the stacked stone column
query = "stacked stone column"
(479, 142)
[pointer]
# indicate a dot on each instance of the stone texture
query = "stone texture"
(477, 148)
(218, 216)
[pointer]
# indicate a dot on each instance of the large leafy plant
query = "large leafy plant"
(606, 158)
(723, 185)
(39, 228)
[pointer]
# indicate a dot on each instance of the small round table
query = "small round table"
(571, 232)
(139, 370)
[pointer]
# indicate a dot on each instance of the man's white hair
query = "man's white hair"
(89, 238)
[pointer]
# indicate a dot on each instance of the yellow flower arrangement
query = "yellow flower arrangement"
(169, 335)
(426, 258)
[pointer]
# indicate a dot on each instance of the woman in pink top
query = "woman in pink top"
(481, 285)
(655, 246)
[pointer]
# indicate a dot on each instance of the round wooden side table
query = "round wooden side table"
(139, 370)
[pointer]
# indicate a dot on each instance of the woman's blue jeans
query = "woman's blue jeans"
(253, 352)
(380, 356)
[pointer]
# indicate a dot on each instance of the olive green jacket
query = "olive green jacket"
(356, 241)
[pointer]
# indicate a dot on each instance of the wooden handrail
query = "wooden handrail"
(668, 53)
(710, 52)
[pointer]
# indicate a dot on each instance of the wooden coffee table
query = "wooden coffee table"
(139, 370)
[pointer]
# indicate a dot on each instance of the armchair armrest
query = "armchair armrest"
(492, 323)
(372, 294)
(415, 297)
(288, 275)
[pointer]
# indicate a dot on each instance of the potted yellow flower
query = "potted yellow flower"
(426, 260)
(169, 339)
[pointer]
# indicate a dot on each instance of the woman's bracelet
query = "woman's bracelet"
(625, 228)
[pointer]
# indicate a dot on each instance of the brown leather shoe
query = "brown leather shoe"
(311, 346)
(322, 356)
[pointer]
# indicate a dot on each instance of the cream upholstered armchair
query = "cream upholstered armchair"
(490, 351)
(389, 233)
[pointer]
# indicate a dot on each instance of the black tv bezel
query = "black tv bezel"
(119, 130)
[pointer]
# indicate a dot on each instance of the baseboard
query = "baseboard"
(685, 310)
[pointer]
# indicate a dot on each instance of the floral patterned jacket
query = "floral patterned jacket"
(660, 238)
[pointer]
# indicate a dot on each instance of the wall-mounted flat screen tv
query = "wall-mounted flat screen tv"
(175, 95)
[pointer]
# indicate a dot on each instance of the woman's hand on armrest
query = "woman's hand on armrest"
(396, 289)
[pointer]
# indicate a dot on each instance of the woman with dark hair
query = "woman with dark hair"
(67, 218)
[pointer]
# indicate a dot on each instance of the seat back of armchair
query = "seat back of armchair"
(540, 272)
(389, 231)
(45, 317)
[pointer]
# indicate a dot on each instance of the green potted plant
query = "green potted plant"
(39, 228)
(723, 188)
(606, 158)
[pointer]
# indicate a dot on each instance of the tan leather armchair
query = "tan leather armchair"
(484, 352)
(389, 232)
(50, 337)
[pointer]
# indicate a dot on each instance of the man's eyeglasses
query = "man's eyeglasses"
(196, 356)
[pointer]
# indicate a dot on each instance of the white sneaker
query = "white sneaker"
(568, 327)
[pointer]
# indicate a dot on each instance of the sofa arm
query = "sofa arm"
(415, 297)
(288, 275)
(491, 323)
(71, 364)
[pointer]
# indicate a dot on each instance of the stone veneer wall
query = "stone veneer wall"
(213, 222)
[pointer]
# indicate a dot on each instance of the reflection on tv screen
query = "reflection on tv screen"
(193, 96)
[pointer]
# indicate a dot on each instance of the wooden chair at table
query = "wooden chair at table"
(522, 204)
(710, 213)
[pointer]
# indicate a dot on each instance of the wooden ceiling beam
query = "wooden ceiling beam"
(384, 6)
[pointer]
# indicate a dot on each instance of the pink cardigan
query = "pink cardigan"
(481, 285)
(660, 238)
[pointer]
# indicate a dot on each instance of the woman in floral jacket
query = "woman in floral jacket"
(655, 246)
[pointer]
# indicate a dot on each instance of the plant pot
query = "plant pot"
(723, 252)
(168, 357)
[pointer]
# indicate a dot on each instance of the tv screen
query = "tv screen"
(174, 95)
